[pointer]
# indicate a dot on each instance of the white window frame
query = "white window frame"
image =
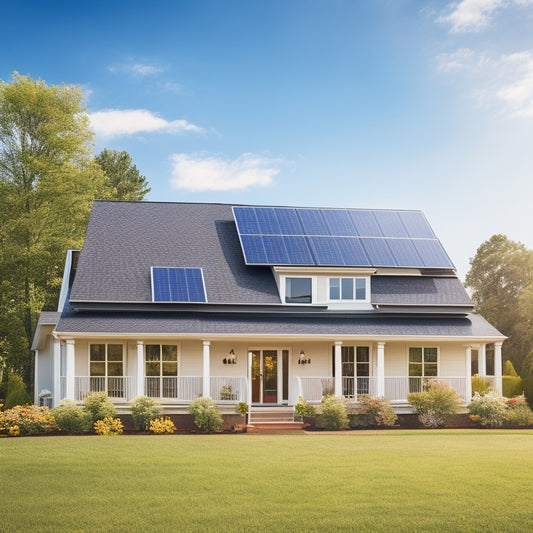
(284, 289)
(354, 299)
(423, 347)
(105, 361)
(161, 344)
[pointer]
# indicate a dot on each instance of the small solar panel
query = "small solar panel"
(172, 284)
(338, 237)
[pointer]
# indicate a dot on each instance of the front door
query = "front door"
(264, 376)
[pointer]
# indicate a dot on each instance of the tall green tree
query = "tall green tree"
(500, 274)
(124, 180)
(48, 180)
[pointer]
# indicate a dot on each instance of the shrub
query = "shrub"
(518, 412)
(70, 418)
(489, 410)
(509, 370)
(143, 410)
(480, 384)
(528, 389)
(373, 411)
(207, 417)
(161, 425)
(26, 420)
(99, 406)
(108, 426)
(16, 392)
(435, 404)
(303, 409)
(242, 408)
(512, 386)
(333, 415)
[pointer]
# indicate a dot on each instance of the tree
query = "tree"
(123, 178)
(48, 180)
(500, 273)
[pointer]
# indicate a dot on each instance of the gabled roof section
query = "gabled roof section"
(125, 239)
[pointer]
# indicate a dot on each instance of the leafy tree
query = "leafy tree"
(48, 180)
(500, 272)
(124, 180)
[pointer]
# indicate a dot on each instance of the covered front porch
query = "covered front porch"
(264, 371)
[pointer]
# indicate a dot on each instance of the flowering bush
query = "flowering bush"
(303, 409)
(435, 404)
(489, 410)
(373, 411)
(26, 420)
(207, 417)
(161, 425)
(480, 384)
(144, 410)
(108, 426)
(518, 412)
(333, 414)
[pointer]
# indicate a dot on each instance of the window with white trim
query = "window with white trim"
(298, 290)
(423, 364)
(161, 370)
(347, 289)
(106, 369)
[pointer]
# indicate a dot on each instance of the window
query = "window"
(347, 289)
(106, 369)
(298, 291)
(422, 365)
(161, 362)
(355, 370)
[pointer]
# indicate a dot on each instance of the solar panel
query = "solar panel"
(172, 284)
(338, 237)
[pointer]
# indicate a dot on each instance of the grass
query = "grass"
(443, 480)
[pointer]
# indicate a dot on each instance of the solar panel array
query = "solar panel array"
(338, 237)
(171, 284)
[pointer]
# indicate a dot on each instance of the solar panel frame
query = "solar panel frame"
(310, 237)
(178, 285)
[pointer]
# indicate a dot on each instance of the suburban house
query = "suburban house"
(259, 304)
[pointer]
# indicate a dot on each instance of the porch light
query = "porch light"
(304, 359)
(231, 359)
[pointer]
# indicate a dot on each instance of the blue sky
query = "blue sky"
(383, 104)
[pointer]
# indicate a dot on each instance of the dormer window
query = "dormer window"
(298, 291)
(347, 289)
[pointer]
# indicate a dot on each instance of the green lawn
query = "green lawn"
(447, 480)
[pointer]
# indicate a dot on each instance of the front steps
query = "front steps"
(273, 419)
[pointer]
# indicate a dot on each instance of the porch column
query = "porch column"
(206, 376)
(36, 379)
(482, 360)
(380, 370)
(139, 391)
(468, 374)
(70, 374)
(498, 366)
(249, 385)
(56, 373)
(338, 368)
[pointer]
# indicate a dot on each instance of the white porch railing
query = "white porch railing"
(396, 388)
(313, 388)
(184, 388)
(229, 388)
(117, 387)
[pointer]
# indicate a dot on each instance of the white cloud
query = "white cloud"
(505, 81)
(137, 69)
(197, 172)
(473, 15)
(115, 122)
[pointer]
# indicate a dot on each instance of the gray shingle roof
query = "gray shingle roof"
(201, 324)
(125, 239)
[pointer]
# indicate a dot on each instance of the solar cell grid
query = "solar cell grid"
(305, 236)
(173, 284)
